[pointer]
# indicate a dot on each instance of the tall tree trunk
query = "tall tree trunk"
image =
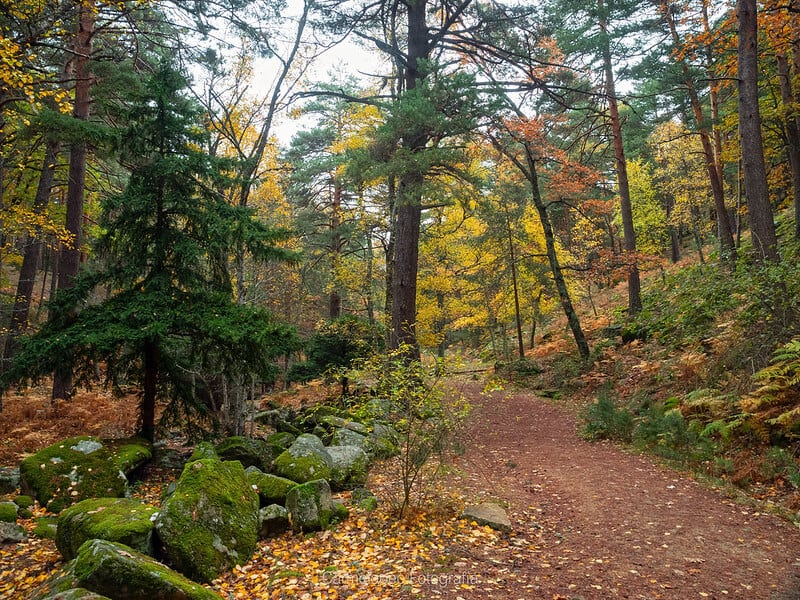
(32, 256)
(70, 257)
(792, 127)
(626, 210)
(512, 257)
(335, 297)
(762, 224)
(727, 246)
(409, 200)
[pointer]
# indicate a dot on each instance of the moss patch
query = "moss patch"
(114, 519)
(271, 489)
(124, 574)
(210, 522)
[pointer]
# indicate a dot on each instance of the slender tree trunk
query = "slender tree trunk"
(555, 265)
(762, 224)
(70, 257)
(335, 297)
(512, 257)
(792, 127)
(32, 256)
(629, 235)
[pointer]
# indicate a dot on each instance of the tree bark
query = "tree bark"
(629, 235)
(792, 128)
(147, 408)
(70, 256)
(33, 252)
(727, 246)
(762, 224)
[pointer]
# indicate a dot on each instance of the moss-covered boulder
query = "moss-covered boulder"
(364, 499)
(383, 441)
(8, 512)
(120, 520)
(203, 450)
(310, 506)
(248, 451)
(350, 467)
(274, 521)
(122, 573)
(305, 460)
(74, 594)
(348, 437)
(79, 468)
(280, 441)
(336, 422)
(271, 489)
(210, 522)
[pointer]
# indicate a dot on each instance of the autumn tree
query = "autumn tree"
(169, 324)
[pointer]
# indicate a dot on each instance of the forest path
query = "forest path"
(602, 523)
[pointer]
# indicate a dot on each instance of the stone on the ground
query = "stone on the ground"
(342, 423)
(122, 573)
(340, 512)
(79, 468)
(280, 441)
(364, 499)
(248, 451)
(203, 450)
(210, 522)
(350, 467)
(12, 533)
(348, 437)
(9, 480)
(271, 489)
(274, 521)
(74, 594)
(122, 520)
(383, 441)
(8, 512)
(310, 506)
(305, 460)
(488, 513)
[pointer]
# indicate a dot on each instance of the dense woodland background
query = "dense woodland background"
(191, 209)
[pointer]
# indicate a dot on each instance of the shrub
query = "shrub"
(605, 421)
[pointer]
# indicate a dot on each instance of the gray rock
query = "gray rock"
(350, 467)
(120, 520)
(305, 460)
(488, 513)
(9, 480)
(384, 441)
(74, 594)
(248, 451)
(364, 499)
(11, 533)
(341, 423)
(348, 437)
(274, 521)
(310, 506)
(122, 573)
(210, 522)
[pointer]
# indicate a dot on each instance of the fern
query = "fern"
(778, 398)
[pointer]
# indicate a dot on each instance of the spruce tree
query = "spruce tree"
(168, 323)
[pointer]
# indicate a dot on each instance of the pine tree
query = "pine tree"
(169, 324)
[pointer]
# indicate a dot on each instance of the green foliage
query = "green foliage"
(337, 343)
(606, 421)
(426, 414)
(168, 312)
(779, 463)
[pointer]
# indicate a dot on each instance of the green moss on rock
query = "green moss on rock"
(248, 451)
(271, 489)
(122, 573)
(79, 468)
(24, 501)
(8, 512)
(310, 506)
(114, 519)
(75, 594)
(46, 527)
(305, 460)
(210, 522)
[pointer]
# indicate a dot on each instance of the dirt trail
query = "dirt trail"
(601, 523)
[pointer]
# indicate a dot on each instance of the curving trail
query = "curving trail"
(596, 522)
